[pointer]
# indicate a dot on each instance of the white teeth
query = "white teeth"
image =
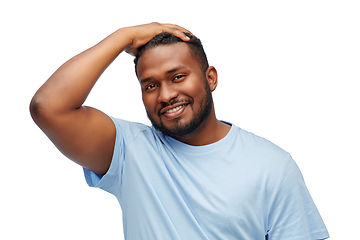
(174, 109)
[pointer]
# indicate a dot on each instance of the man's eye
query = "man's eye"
(178, 77)
(151, 86)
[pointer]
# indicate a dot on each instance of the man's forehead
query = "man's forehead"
(169, 56)
(171, 47)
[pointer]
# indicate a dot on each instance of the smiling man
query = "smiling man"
(189, 175)
(176, 83)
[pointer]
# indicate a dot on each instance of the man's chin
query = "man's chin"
(175, 131)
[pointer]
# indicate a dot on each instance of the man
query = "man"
(190, 176)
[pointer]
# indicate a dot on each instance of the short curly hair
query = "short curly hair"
(194, 44)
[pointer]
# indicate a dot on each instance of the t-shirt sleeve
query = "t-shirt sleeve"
(111, 181)
(293, 214)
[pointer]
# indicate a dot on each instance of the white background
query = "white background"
(289, 71)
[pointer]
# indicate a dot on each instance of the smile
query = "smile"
(171, 113)
(175, 109)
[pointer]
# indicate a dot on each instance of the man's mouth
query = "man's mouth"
(174, 109)
(172, 112)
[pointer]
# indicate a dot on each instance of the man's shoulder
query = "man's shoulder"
(255, 143)
(128, 130)
(129, 124)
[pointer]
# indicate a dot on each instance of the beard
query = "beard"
(180, 130)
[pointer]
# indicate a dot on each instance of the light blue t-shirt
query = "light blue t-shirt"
(242, 187)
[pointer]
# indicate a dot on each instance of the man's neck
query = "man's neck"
(210, 131)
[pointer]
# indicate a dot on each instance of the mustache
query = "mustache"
(173, 102)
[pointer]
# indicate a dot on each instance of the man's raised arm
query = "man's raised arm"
(84, 134)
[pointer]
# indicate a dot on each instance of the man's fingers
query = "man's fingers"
(178, 31)
(143, 33)
(176, 27)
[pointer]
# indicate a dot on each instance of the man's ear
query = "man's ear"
(211, 76)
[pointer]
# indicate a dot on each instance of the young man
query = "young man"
(190, 176)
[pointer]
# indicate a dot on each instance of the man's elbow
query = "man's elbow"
(39, 109)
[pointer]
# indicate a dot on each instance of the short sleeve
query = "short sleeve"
(111, 181)
(293, 214)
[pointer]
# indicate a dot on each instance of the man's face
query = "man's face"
(175, 92)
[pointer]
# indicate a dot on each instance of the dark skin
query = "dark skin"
(84, 134)
(171, 73)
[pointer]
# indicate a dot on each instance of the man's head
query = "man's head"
(176, 83)
(165, 38)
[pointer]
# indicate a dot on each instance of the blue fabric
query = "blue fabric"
(241, 187)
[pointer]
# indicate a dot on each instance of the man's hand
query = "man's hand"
(142, 34)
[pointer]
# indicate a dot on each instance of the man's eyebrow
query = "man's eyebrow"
(145, 80)
(175, 69)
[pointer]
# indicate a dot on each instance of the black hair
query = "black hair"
(194, 44)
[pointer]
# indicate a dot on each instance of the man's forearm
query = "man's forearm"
(69, 86)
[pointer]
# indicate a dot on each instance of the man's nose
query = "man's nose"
(167, 93)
